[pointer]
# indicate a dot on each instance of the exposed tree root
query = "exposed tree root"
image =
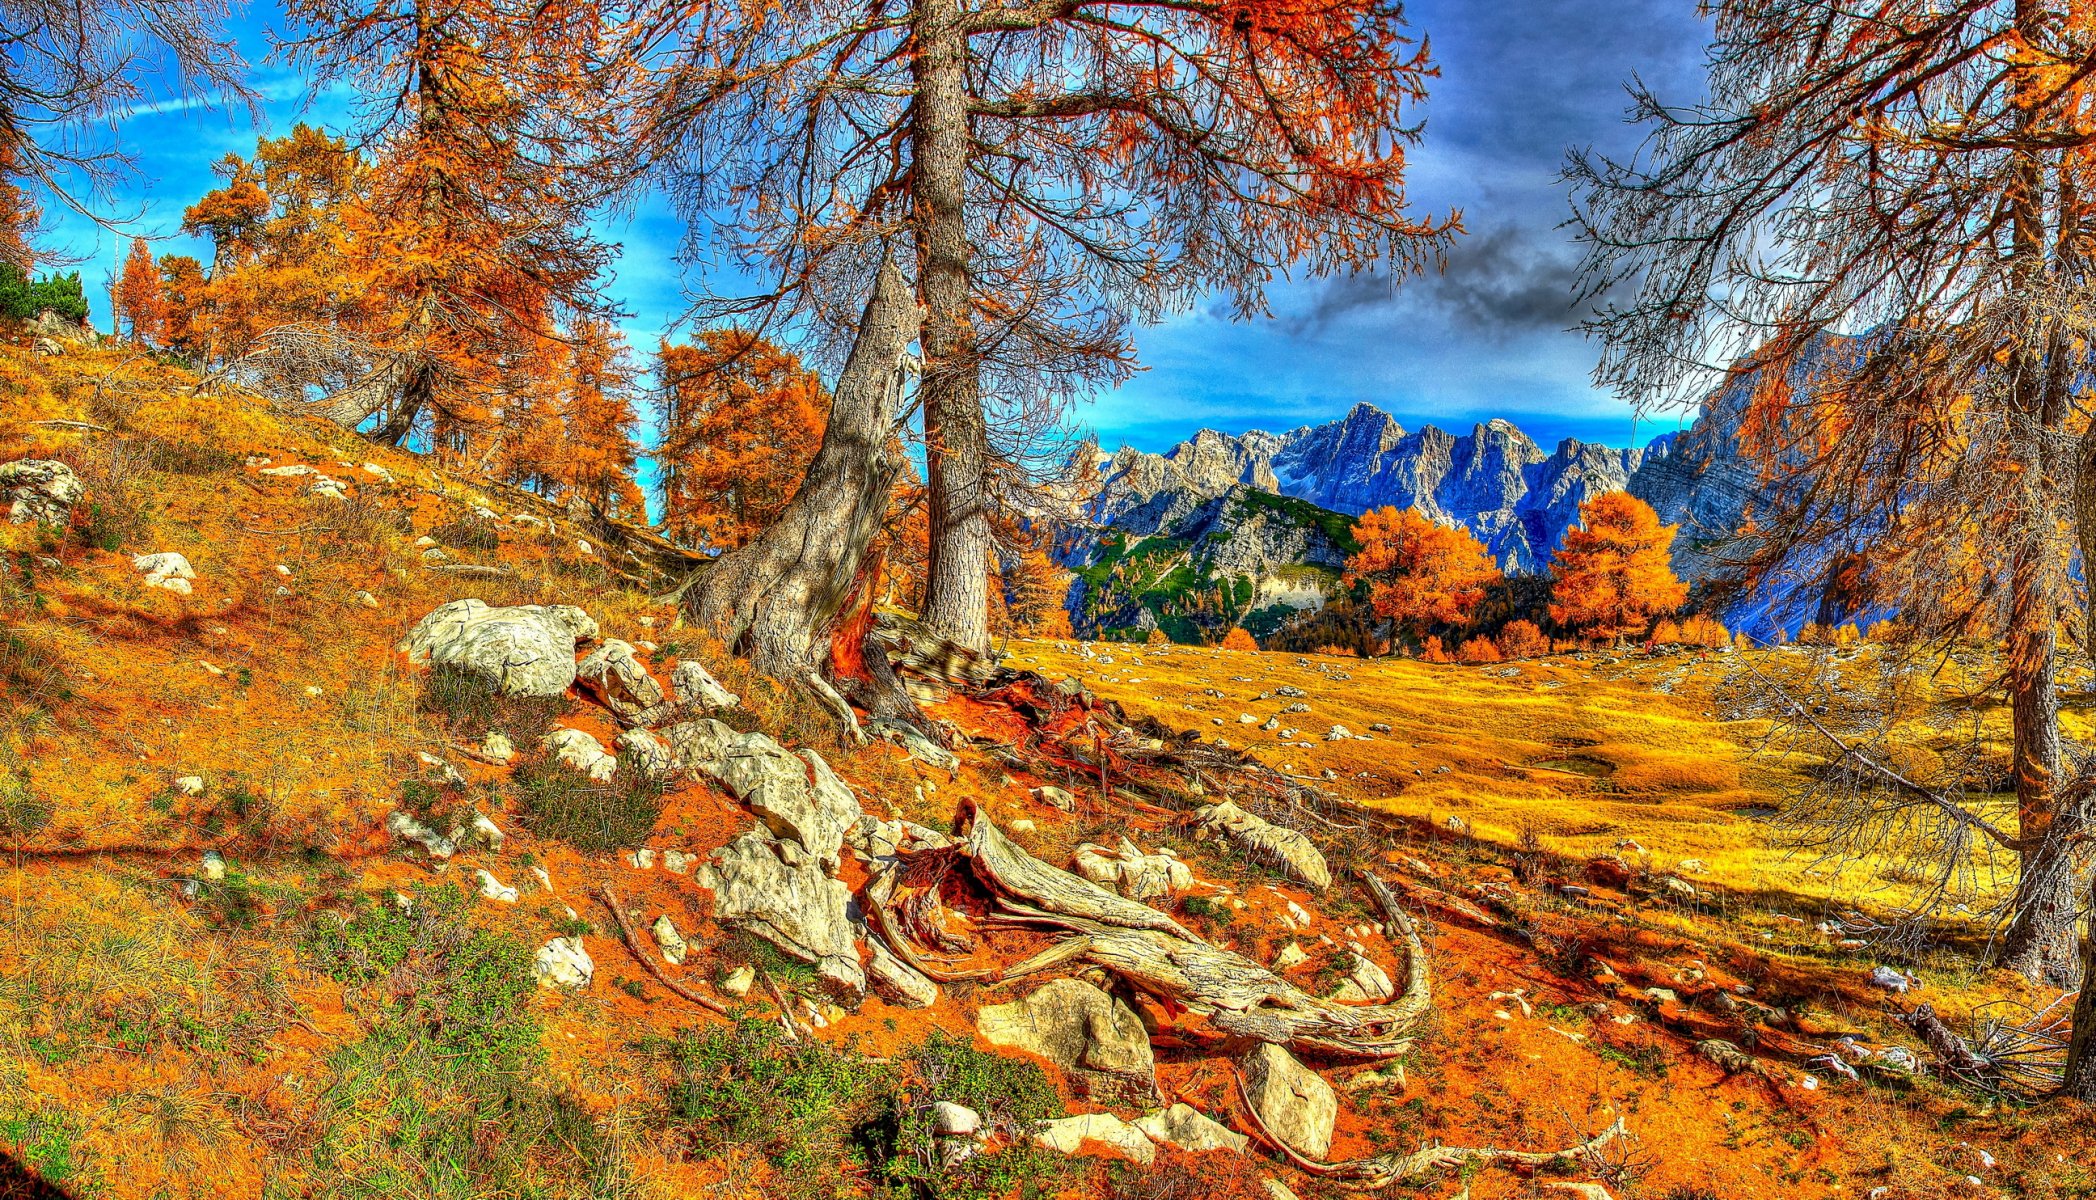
(626, 934)
(1388, 1170)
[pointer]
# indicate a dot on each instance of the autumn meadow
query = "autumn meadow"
(983, 599)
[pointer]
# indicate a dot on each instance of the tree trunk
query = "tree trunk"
(2080, 1080)
(773, 598)
(957, 451)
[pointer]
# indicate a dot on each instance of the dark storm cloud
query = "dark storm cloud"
(1496, 284)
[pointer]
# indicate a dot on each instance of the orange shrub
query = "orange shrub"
(1238, 639)
(1700, 630)
(1432, 651)
(1157, 638)
(1521, 639)
(1478, 650)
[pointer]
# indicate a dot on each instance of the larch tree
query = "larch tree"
(138, 305)
(182, 292)
(1420, 574)
(1880, 214)
(495, 134)
(1614, 575)
(741, 419)
(598, 422)
(1050, 172)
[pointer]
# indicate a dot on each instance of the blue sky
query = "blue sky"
(1521, 81)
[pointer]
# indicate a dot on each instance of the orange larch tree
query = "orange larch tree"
(1420, 574)
(494, 136)
(598, 423)
(139, 305)
(741, 420)
(1613, 574)
(182, 292)
(1239, 639)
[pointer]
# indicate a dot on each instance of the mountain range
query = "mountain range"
(1254, 527)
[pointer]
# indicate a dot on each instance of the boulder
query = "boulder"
(165, 570)
(494, 889)
(780, 892)
(695, 686)
(1097, 1040)
(1183, 1128)
(563, 963)
(1068, 1134)
(896, 981)
(41, 490)
(1287, 849)
(673, 945)
(527, 650)
(1365, 983)
(621, 683)
(582, 752)
(497, 748)
(1056, 797)
(1132, 873)
(1292, 1101)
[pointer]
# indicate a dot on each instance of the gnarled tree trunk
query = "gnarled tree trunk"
(773, 599)
(956, 436)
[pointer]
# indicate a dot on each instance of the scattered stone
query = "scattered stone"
(377, 472)
(779, 891)
(621, 683)
(1183, 1128)
(897, 981)
(401, 824)
(649, 753)
(443, 770)
(1055, 797)
(1379, 727)
(165, 570)
(527, 650)
(1609, 871)
(1132, 873)
(582, 752)
(673, 945)
(1068, 1134)
(1365, 983)
(1291, 955)
(494, 889)
(739, 981)
(1893, 981)
(1286, 848)
(367, 599)
(1293, 1102)
(213, 867)
(641, 858)
(290, 470)
(497, 748)
(958, 1132)
(190, 785)
(39, 490)
(563, 963)
(1337, 733)
(677, 862)
(1096, 1039)
(489, 833)
(694, 685)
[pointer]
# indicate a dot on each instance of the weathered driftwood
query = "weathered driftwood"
(1387, 1170)
(1155, 955)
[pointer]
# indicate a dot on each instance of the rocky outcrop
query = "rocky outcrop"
(1067, 1135)
(527, 650)
(1095, 1038)
(39, 490)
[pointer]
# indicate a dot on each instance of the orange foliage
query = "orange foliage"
(1420, 573)
(1036, 591)
(182, 290)
(1521, 639)
(137, 300)
(1701, 630)
(1612, 576)
(1478, 650)
(1239, 639)
(18, 213)
(1432, 651)
(741, 421)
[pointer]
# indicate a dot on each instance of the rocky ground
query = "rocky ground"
(371, 832)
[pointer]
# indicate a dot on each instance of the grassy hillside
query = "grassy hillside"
(339, 1015)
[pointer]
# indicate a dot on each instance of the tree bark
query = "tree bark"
(2080, 1077)
(957, 451)
(774, 598)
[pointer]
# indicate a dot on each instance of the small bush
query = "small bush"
(560, 802)
(1704, 631)
(1477, 651)
(1432, 651)
(1522, 639)
(1157, 638)
(1239, 639)
(467, 533)
(807, 1107)
(470, 707)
